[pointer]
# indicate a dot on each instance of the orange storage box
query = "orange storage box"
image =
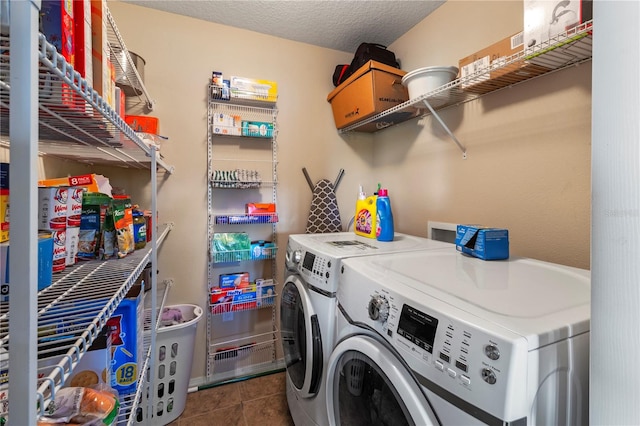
(373, 88)
(143, 123)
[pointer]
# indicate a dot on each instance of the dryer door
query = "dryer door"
(300, 335)
(368, 385)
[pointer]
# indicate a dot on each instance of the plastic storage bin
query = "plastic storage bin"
(174, 358)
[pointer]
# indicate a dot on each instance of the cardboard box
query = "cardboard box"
(545, 19)
(58, 27)
(126, 326)
(104, 78)
(82, 32)
(496, 55)
(94, 368)
(261, 293)
(482, 242)
(91, 182)
(257, 129)
(143, 123)
(260, 208)
(227, 124)
(253, 89)
(373, 88)
(45, 265)
(4, 202)
(236, 280)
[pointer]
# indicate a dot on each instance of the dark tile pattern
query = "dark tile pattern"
(259, 401)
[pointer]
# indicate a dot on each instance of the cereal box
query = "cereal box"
(126, 325)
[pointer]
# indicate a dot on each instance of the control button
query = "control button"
(492, 352)
(465, 380)
(329, 264)
(451, 372)
(439, 366)
(378, 308)
(488, 376)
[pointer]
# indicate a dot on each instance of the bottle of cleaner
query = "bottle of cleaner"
(365, 218)
(384, 216)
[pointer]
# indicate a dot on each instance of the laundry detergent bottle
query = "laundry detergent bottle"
(384, 217)
(365, 218)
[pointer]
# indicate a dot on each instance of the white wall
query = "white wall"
(615, 273)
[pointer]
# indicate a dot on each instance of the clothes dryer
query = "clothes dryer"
(488, 342)
(308, 309)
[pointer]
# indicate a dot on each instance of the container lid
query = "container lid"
(382, 192)
(427, 70)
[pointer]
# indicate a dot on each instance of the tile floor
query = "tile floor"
(259, 401)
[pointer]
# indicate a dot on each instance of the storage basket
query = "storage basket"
(173, 361)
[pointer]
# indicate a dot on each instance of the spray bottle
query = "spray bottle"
(365, 218)
(384, 216)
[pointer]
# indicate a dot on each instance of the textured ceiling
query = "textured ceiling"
(337, 24)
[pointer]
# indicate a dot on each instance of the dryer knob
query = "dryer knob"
(378, 308)
(297, 256)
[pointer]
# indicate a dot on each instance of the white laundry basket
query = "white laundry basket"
(173, 361)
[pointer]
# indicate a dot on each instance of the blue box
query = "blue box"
(235, 280)
(482, 242)
(126, 325)
(45, 265)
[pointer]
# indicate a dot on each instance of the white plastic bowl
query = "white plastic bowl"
(424, 80)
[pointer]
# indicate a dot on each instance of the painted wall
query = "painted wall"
(528, 147)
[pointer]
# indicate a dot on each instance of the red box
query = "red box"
(143, 123)
(261, 208)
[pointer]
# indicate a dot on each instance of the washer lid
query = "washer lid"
(517, 287)
(347, 244)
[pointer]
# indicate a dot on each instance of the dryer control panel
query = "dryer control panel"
(448, 349)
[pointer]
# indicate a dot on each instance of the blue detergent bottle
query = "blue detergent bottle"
(384, 217)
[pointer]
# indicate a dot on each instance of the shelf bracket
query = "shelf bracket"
(446, 129)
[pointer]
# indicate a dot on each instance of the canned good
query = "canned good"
(139, 230)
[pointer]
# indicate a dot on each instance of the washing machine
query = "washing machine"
(438, 337)
(308, 310)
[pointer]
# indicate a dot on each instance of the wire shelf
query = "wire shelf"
(569, 48)
(71, 313)
(244, 356)
(238, 96)
(265, 253)
(236, 300)
(75, 122)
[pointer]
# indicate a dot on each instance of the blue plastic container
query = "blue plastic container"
(384, 217)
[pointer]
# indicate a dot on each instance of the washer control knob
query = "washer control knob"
(488, 376)
(297, 256)
(378, 308)
(492, 352)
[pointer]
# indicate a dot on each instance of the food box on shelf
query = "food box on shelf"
(143, 123)
(496, 55)
(57, 23)
(253, 89)
(91, 182)
(104, 74)
(126, 325)
(483, 242)
(82, 33)
(259, 294)
(94, 368)
(45, 264)
(238, 279)
(4, 202)
(260, 208)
